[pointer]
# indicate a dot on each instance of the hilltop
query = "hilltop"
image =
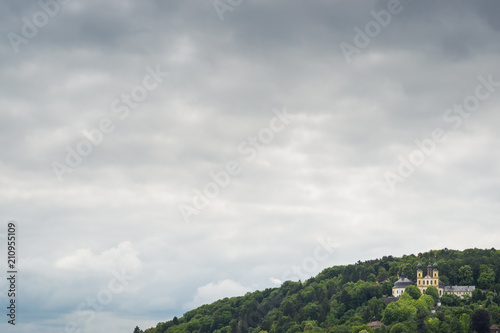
(345, 298)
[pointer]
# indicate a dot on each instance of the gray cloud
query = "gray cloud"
(322, 176)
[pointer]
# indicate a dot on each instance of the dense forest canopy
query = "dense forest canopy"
(346, 298)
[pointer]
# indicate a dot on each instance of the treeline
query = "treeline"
(344, 298)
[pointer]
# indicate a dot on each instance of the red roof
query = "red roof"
(375, 324)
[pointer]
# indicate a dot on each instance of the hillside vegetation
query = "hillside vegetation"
(345, 298)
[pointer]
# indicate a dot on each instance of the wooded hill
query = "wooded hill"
(345, 298)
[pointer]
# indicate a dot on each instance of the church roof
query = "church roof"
(403, 282)
(389, 299)
(459, 288)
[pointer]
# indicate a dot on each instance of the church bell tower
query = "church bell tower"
(419, 269)
(435, 271)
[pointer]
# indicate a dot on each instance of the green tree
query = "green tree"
(480, 321)
(405, 299)
(311, 326)
(486, 278)
(464, 323)
(449, 300)
(413, 291)
(423, 306)
(387, 288)
(361, 328)
(399, 328)
(287, 309)
(137, 330)
(427, 300)
(444, 279)
(432, 325)
(266, 324)
(382, 274)
(465, 276)
(432, 291)
(478, 295)
(345, 299)
(397, 312)
(311, 311)
(373, 310)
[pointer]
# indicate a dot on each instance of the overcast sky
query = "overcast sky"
(337, 130)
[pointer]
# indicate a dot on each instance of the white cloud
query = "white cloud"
(116, 258)
(276, 281)
(214, 291)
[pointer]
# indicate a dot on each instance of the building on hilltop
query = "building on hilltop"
(431, 279)
(459, 290)
(375, 324)
(400, 285)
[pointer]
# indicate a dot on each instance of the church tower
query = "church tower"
(429, 268)
(432, 277)
(420, 274)
(435, 271)
(419, 270)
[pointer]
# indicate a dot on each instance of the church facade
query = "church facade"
(430, 279)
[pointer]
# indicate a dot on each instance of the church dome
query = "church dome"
(403, 282)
